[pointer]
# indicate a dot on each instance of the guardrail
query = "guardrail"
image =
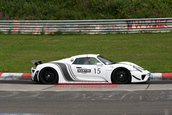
(87, 26)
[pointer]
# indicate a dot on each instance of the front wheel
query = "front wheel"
(48, 76)
(121, 76)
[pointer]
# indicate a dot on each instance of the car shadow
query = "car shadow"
(161, 82)
(156, 82)
(18, 82)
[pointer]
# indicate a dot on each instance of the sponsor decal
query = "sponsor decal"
(80, 70)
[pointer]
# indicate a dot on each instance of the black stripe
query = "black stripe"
(65, 71)
(136, 77)
(71, 73)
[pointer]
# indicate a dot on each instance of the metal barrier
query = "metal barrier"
(87, 26)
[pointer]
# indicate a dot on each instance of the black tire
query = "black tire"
(48, 76)
(121, 76)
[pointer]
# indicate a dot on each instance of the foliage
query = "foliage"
(84, 9)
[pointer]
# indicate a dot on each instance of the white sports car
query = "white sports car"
(87, 68)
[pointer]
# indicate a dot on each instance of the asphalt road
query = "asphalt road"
(130, 99)
(31, 86)
(86, 103)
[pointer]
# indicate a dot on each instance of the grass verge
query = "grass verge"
(151, 51)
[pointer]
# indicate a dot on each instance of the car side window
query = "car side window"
(86, 61)
(82, 61)
(93, 61)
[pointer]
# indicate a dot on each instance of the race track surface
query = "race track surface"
(22, 97)
(12, 85)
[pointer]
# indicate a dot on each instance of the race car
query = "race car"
(87, 68)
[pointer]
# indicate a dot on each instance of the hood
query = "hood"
(131, 64)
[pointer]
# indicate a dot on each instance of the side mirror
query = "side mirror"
(99, 64)
(71, 59)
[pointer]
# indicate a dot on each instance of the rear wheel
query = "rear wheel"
(121, 75)
(48, 76)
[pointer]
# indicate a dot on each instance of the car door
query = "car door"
(87, 69)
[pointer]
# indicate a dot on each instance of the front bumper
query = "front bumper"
(138, 76)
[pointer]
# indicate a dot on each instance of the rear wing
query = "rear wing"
(37, 62)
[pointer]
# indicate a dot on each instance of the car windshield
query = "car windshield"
(104, 60)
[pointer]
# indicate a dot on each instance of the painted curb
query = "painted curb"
(27, 76)
(15, 76)
(167, 76)
(156, 76)
(161, 76)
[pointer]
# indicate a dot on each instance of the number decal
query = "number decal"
(97, 71)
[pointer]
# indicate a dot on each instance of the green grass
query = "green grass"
(151, 51)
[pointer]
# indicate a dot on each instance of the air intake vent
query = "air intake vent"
(143, 76)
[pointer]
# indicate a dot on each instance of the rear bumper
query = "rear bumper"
(34, 74)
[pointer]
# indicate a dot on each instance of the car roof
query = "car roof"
(85, 55)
